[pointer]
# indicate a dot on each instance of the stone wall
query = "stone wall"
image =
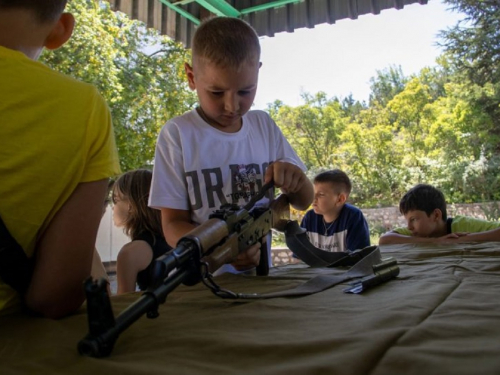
(281, 256)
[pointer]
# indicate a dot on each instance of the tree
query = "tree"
(475, 41)
(386, 85)
(139, 73)
(367, 154)
(313, 129)
(474, 49)
(351, 107)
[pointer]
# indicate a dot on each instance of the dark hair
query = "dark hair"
(226, 42)
(45, 10)
(423, 197)
(335, 177)
(134, 186)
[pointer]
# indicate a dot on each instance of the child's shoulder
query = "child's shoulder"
(33, 79)
(37, 73)
(66, 83)
(259, 114)
(181, 121)
(351, 208)
(260, 119)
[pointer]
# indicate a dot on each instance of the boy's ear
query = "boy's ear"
(190, 75)
(342, 198)
(437, 214)
(61, 31)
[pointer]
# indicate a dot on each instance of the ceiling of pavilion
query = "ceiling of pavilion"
(179, 18)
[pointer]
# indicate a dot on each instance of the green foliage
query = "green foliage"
(314, 128)
(474, 49)
(475, 41)
(386, 85)
(139, 73)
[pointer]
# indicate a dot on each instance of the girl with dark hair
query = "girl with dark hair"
(142, 224)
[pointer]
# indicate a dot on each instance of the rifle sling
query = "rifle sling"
(298, 242)
(363, 262)
(319, 283)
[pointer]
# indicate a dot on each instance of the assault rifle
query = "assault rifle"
(229, 231)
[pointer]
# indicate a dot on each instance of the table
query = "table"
(441, 315)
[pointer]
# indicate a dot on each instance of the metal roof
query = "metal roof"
(179, 18)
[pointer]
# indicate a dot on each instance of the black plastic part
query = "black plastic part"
(16, 269)
(263, 267)
(298, 242)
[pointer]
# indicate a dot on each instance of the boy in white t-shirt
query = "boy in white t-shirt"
(220, 152)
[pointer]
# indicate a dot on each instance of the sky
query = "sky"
(340, 59)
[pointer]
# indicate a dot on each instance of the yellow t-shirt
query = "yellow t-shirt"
(55, 132)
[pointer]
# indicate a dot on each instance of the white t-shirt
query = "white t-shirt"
(198, 167)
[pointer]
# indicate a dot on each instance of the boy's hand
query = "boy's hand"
(248, 259)
(286, 176)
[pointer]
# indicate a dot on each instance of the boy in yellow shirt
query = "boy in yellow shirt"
(57, 152)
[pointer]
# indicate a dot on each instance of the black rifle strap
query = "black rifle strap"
(298, 242)
(16, 269)
(370, 267)
(317, 284)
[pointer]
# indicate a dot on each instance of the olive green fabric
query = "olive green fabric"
(440, 316)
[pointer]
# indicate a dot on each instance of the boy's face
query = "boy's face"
(224, 94)
(422, 225)
(326, 200)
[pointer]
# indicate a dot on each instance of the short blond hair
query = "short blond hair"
(226, 42)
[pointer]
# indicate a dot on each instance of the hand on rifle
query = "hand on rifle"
(286, 176)
(248, 259)
(292, 181)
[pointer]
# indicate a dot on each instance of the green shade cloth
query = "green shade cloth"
(440, 316)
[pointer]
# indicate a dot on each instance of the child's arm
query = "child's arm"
(390, 238)
(98, 271)
(292, 181)
(487, 236)
(133, 257)
(175, 224)
(64, 253)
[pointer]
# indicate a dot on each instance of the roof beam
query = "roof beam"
(181, 11)
(223, 8)
(271, 4)
(219, 7)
